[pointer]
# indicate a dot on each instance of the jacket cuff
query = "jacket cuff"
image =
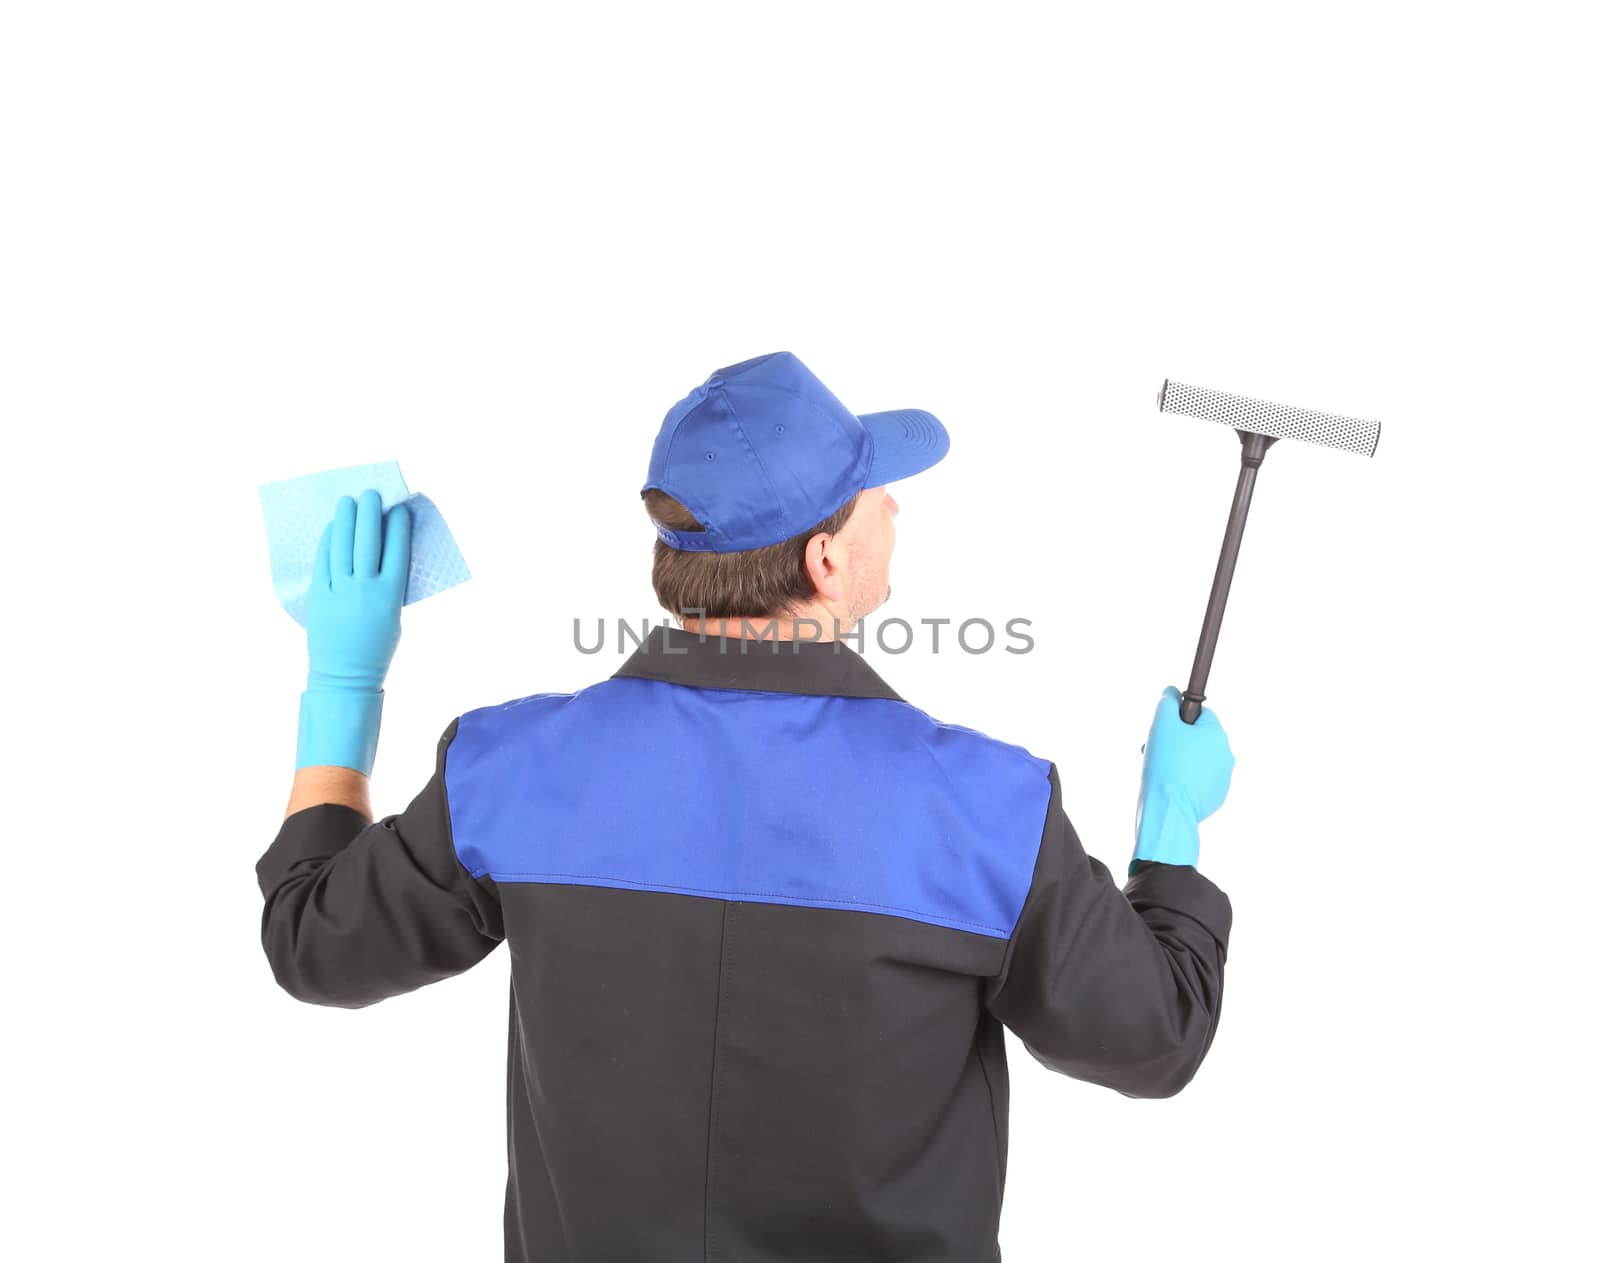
(1180, 888)
(314, 833)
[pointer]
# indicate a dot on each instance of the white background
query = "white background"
(497, 242)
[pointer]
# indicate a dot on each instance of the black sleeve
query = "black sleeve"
(1121, 988)
(357, 912)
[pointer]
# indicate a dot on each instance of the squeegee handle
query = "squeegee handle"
(1254, 448)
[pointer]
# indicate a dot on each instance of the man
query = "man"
(767, 919)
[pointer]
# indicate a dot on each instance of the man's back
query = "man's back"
(766, 920)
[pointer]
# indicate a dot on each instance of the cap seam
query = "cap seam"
(744, 438)
(811, 403)
(666, 462)
(863, 467)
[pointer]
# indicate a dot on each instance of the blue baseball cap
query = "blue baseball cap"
(761, 451)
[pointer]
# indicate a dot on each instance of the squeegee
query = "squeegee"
(1259, 425)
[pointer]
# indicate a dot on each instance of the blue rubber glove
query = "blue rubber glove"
(358, 584)
(1187, 769)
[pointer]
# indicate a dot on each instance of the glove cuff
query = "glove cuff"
(339, 729)
(1166, 831)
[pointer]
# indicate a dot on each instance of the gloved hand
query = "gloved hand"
(1187, 769)
(358, 584)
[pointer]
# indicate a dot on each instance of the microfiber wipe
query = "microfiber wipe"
(297, 509)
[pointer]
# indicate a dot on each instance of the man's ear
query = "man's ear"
(823, 566)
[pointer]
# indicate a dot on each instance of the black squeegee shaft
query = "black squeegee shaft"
(1254, 447)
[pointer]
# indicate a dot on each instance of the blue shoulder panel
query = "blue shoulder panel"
(831, 802)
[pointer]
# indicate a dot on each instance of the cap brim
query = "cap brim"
(904, 442)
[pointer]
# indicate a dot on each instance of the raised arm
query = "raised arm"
(1119, 987)
(358, 911)
(1123, 987)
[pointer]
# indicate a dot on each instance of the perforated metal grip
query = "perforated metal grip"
(1274, 420)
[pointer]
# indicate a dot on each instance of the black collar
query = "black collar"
(828, 668)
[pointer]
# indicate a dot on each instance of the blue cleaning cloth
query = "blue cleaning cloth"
(297, 509)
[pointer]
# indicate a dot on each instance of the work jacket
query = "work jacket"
(766, 922)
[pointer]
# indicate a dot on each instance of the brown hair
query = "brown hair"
(757, 583)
